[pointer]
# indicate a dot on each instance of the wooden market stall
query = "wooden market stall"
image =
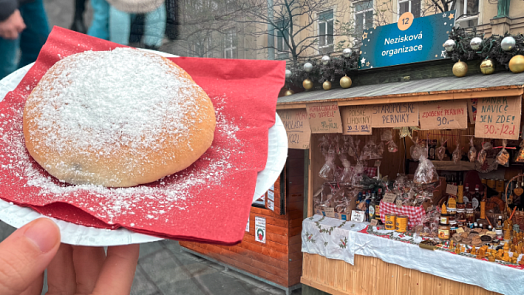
(278, 260)
(371, 275)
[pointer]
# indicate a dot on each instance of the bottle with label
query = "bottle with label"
(461, 207)
(444, 229)
(371, 207)
(475, 200)
(466, 193)
(470, 213)
(377, 206)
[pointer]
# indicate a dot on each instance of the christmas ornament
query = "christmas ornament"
(507, 43)
(288, 92)
(407, 131)
(516, 64)
(460, 69)
(308, 67)
(487, 66)
(347, 52)
(345, 82)
(475, 43)
(449, 45)
(288, 74)
(326, 85)
(325, 59)
(307, 84)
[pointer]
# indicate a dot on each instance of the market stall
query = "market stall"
(357, 146)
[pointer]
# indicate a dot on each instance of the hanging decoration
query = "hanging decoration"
(288, 74)
(307, 84)
(475, 43)
(507, 43)
(325, 59)
(326, 85)
(487, 66)
(345, 82)
(449, 45)
(347, 52)
(460, 69)
(516, 64)
(288, 92)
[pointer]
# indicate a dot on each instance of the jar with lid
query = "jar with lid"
(444, 231)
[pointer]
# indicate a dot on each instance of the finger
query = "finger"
(61, 272)
(20, 27)
(11, 34)
(26, 253)
(118, 270)
(36, 287)
(88, 263)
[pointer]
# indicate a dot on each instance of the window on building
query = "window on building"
(412, 6)
(203, 48)
(325, 32)
(230, 44)
(282, 38)
(363, 17)
(467, 13)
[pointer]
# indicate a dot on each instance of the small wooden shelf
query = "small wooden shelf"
(451, 166)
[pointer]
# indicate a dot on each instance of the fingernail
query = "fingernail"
(44, 233)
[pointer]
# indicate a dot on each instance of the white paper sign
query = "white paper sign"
(358, 216)
(247, 224)
(270, 205)
(271, 195)
(260, 229)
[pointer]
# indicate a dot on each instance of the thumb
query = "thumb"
(26, 253)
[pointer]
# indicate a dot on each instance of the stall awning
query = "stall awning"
(445, 88)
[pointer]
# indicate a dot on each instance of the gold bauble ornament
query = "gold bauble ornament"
(345, 82)
(516, 64)
(487, 66)
(326, 85)
(307, 84)
(289, 92)
(460, 69)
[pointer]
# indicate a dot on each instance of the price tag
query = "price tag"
(398, 203)
(374, 222)
(377, 163)
(389, 198)
(330, 212)
(451, 189)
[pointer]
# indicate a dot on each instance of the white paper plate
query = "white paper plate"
(75, 234)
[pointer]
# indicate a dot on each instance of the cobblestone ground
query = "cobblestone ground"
(163, 268)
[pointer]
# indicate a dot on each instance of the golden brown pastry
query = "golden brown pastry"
(117, 118)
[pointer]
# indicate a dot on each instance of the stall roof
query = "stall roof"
(444, 88)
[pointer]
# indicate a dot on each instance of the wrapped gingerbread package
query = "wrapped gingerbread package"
(472, 153)
(503, 156)
(426, 172)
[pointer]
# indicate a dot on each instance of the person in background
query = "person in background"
(122, 12)
(24, 26)
(78, 24)
(100, 24)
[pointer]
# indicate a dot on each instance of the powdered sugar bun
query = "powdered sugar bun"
(117, 118)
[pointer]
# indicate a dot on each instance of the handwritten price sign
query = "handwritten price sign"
(443, 115)
(356, 120)
(324, 117)
(297, 128)
(498, 117)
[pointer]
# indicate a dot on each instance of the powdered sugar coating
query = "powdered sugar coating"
(118, 108)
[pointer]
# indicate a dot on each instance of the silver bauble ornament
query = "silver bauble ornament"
(347, 52)
(475, 43)
(507, 43)
(449, 45)
(308, 67)
(288, 74)
(325, 59)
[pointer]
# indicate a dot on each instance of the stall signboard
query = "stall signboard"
(443, 115)
(324, 117)
(260, 229)
(395, 115)
(356, 120)
(498, 117)
(407, 41)
(297, 128)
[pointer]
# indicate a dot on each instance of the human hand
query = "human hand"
(87, 270)
(25, 254)
(12, 26)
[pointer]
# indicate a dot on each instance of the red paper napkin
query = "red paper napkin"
(208, 202)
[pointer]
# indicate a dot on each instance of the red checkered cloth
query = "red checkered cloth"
(414, 214)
